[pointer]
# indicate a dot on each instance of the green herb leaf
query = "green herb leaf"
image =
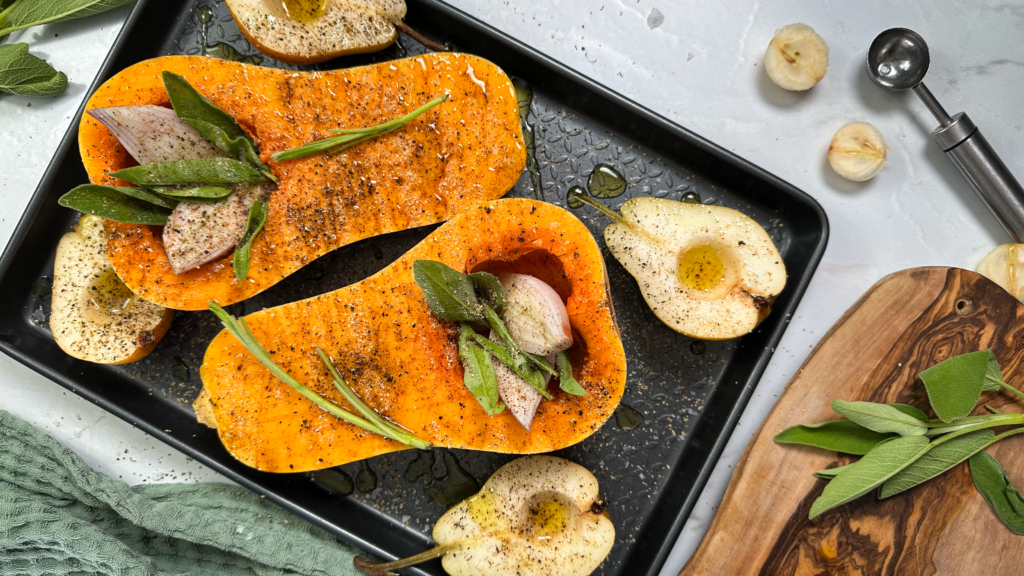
(518, 364)
(839, 435)
(478, 372)
(954, 385)
(830, 473)
(353, 136)
(881, 418)
(885, 461)
(449, 293)
(214, 124)
(566, 381)
(995, 487)
(207, 172)
(112, 203)
(911, 411)
(27, 75)
(491, 289)
(145, 195)
(194, 193)
(373, 422)
(257, 217)
(941, 456)
(994, 375)
(28, 13)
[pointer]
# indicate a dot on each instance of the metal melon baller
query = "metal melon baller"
(898, 60)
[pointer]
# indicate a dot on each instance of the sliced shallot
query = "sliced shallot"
(535, 315)
(154, 134)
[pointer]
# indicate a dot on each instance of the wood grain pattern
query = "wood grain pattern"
(905, 323)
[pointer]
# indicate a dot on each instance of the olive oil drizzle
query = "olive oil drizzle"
(524, 97)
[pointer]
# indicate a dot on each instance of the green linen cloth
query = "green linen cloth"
(60, 517)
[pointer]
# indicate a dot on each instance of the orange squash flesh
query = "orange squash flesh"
(403, 362)
(463, 151)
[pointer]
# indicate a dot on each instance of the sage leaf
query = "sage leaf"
(478, 372)
(145, 195)
(491, 289)
(881, 418)
(871, 471)
(954, 385)
(203, 171)
(214, 124)
(994, 375)
(830, 473)
(27, 75)
(257, 217)
(28, 13)
(109, 202)
(566, 381)
(517, 364)
(911, 411)
(449, 293)
(990, 479)
(941, 455)
(844, 436)
(194, 193)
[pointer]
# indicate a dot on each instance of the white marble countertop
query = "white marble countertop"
(701, 67)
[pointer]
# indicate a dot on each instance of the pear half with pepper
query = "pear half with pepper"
(311, 31)
(708, 272)
(536, 516)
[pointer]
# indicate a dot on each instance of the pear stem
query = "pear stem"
(435, 46)
(611, 214)
(384, 568)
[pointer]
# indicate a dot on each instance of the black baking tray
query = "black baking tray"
(690, 393)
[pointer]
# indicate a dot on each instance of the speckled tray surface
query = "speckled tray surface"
(689, 394)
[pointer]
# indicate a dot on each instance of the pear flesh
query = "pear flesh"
(311, 31)
(536, 516)
(94, 316)
(708, 272)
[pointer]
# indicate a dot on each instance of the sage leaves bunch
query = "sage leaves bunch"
(902, 447)
(349, 137)
(475, 301)
(28, 75)
(367, 419)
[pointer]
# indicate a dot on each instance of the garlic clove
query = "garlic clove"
(796, 58)
(857, 151)
(1004, 265)
(535, 315)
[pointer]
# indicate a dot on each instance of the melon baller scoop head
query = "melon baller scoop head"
(898, 60)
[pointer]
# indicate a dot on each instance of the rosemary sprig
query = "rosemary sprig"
(349, 137)
(369, 420)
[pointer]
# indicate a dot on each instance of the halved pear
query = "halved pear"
(311, 31)
(708, 272)
(536, 516)
(94, 316)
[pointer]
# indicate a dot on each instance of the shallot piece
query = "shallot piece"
(154, 134)
(521, 399)
(201, 232)
(535, 315)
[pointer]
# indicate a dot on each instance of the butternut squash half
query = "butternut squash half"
(464, 151)
(403, 362)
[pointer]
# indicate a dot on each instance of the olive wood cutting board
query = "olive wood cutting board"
(905, 323)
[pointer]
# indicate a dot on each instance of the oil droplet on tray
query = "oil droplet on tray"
(691, 197)
(627, 418)
(455, 486)
(420, 466)
(334, 481)
(572, 198)
(366, 480)
(606, 182)
(698, 347)
(179, 369)
(524, 97)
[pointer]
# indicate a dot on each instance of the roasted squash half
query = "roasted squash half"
(402, 361)
(464, 151)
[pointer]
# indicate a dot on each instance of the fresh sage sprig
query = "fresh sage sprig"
(257, 217)
(193, 193)
(991, 481)
(22, 14)
(215, 172)
(27, 75)
(214, 124)
(369, 420)
(903, 448)
(472, 299)
(129, 205)
(349, 137)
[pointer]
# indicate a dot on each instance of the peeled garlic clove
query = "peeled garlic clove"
(535, 315)
(797, 58)
(1004, 265)
(857, 151)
